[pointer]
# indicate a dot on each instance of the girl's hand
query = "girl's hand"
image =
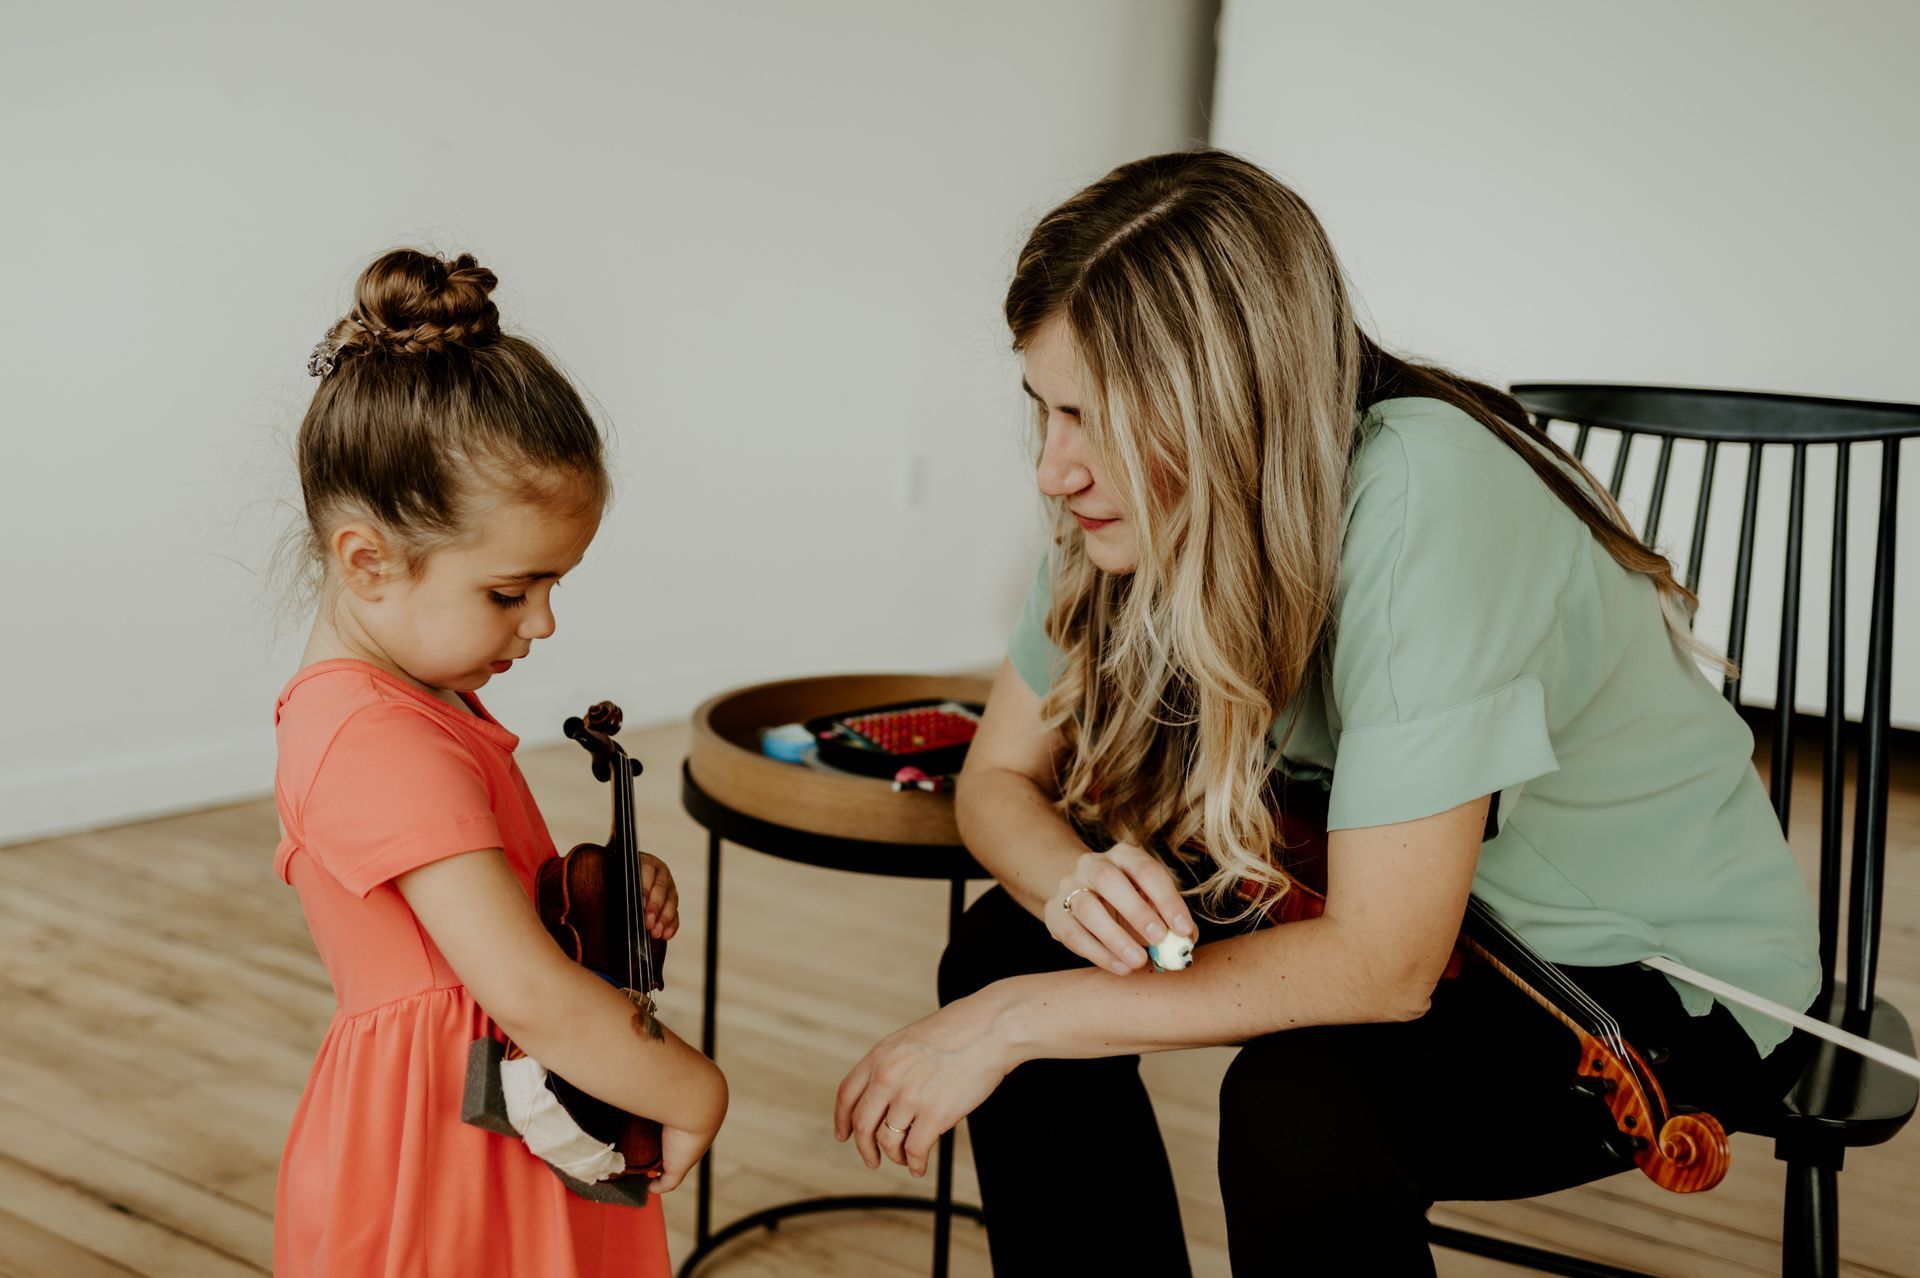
(1113, 905)
(918, 1083)
(680, 1152)
(661, 896)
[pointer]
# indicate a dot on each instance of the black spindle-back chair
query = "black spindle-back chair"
(1841, 1099)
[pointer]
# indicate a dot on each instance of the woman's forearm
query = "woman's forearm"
(1012, 829)
(1305, 973)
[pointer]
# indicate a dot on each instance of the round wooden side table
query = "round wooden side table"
(833, 820)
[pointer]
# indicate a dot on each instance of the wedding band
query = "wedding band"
(897, 1131)
(1067, 904)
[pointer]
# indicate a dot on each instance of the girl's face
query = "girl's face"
(471, 611)
(1068, 469)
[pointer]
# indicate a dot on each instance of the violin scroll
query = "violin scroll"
(1695, 1144)
(1686, 1153)
(596, 732)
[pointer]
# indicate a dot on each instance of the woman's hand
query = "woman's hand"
(662, 897)
(919, 1082)
(1115, 903)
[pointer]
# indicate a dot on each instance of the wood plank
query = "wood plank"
(173, 1202)
(89, 1216)
(891, 1242)
(27, 1251)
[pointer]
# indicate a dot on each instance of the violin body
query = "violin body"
(1683, 1152)
(566, 892)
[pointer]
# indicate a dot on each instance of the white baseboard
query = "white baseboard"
(46, 802)
(186, 776)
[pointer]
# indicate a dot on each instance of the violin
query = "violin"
(592, 903)
(1684, 1151)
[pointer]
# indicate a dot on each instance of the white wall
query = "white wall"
(769, 239)
(1717, 193)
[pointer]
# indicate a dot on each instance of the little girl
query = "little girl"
(451, 477)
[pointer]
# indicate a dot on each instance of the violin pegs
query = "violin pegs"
(1621, 1147)
(1593, 1085)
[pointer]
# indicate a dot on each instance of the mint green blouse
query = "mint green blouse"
(1484, 642)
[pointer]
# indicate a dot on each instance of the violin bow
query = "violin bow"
(1832, 1033)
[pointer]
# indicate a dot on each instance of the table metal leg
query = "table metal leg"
(703, 1211)
(943, 1175)
(706, 1239)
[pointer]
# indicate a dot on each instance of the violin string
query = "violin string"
(1552, 977)
(616, 776)
(1600, 1021)
(1605, 1027)
(639, 892)
(647, 974)
(623, 778)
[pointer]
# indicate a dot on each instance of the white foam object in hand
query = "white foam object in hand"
(547, 1128)
(1173, 953)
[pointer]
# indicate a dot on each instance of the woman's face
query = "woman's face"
(1054, 377)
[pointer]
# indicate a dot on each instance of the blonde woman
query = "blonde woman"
(1281, 553)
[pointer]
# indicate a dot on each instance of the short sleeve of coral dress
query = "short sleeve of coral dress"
(380, 1177)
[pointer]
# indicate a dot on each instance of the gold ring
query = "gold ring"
(897, 1131)
(1067, 904)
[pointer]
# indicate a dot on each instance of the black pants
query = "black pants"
(1335, 1140)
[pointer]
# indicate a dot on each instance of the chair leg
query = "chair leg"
(1810, 1241)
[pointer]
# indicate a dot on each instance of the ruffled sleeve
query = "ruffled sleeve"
(1451, 571)
(1028, 647)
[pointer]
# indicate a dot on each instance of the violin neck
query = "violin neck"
(1489, 937)
(624, 839)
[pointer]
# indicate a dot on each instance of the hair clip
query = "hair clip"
(321, 362)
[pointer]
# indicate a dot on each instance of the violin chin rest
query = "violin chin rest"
(483, 1104)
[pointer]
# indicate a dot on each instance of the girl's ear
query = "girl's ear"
(364, 559)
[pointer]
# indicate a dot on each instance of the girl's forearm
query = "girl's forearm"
(1305, 973)
(1012, 829)
(584, 1032)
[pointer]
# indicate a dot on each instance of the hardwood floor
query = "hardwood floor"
(162, 1004)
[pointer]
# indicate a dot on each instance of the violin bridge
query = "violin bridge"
(646, 1019)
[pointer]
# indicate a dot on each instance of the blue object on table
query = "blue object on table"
(789, 743)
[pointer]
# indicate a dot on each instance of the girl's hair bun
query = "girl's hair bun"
(411, 303)
(423, 403)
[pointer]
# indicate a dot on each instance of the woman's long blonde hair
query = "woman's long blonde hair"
(1226, 379)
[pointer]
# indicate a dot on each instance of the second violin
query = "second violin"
(1684, 1151)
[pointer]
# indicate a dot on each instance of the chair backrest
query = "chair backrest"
(1756, 422)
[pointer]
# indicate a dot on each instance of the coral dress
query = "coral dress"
(380, 1177)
